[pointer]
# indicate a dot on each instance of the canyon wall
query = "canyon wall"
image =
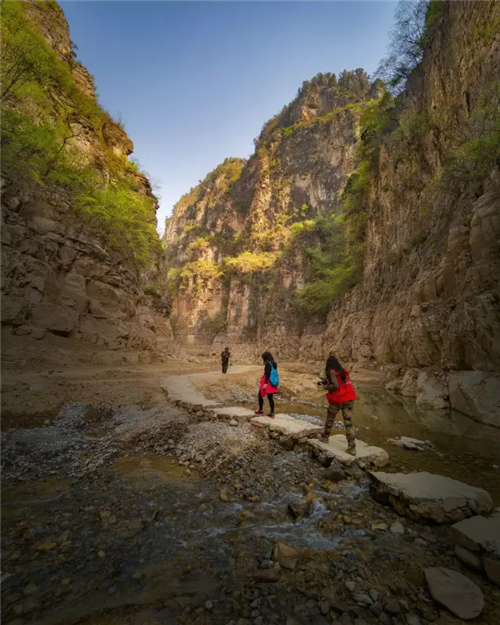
(76, 285)
(363, 223)
(427, 292)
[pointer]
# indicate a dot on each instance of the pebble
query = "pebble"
(233, 423)
(374, 595)
(397, 528)
(209, 605)
(324, 607)
(258, 621)
(31, 589)
(376, 609)
(350, 586)
(362, 599)
(392, 607)
(412, 619)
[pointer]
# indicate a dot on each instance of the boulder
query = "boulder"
(286, 555)
(336, 448)
(427, 496)
(432, 391)
(54, 318)
(476, 394)
(409, 383)
(334, 473)
(455, 592)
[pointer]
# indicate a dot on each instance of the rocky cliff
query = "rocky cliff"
(361, 223)
(81, 260)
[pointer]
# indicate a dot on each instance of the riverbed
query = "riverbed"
(122, 514)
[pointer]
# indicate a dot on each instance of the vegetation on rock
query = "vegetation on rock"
(45, 115)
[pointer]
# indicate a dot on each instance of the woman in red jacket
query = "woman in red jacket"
(341, 395)
(265, 386)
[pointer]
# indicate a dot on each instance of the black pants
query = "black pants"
(270, 397)
(225, 364)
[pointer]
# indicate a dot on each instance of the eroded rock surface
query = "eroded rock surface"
(427, 496)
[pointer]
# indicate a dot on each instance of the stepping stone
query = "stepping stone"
(181, 388)
(287, 425)
(455, 592)
(481, 535)
(427, 496)
(236, 412)
(337, 446)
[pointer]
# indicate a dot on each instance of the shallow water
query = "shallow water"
(463, 448)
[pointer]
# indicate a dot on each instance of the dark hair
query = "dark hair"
(336, 366)
(267, 356)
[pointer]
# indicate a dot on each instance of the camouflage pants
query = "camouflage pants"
(347, 413)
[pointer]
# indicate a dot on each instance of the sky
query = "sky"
(194, 82)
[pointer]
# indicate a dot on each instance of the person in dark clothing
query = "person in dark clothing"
(225, 356)
(341, 396)
(266, 386)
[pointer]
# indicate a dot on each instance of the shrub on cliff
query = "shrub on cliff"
(250, 262)
(43, 114)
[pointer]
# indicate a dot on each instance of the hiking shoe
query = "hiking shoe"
(259, 412)
(351, 451)
(271, 416)
(323, 438)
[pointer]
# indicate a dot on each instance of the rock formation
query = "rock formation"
(73, 265)
(361, 223)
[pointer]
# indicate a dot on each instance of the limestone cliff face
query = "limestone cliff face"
(431, 284)
(428, 294)
(61, 277)
(227, 237)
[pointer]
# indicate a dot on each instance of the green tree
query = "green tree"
(406, 44)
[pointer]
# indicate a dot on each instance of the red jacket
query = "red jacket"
(344, 393)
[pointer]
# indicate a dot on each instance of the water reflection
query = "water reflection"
(463, 448)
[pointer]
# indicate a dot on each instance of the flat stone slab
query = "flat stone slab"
(455, 592)
(479, 537)
(424, 495)
(180, 388)
(337, 446)
(479, 533)
(287, 425)
(236, 412)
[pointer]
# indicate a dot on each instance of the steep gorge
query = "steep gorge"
(405, 191)
(82, 263)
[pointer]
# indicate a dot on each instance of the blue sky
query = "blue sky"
(194, 82)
